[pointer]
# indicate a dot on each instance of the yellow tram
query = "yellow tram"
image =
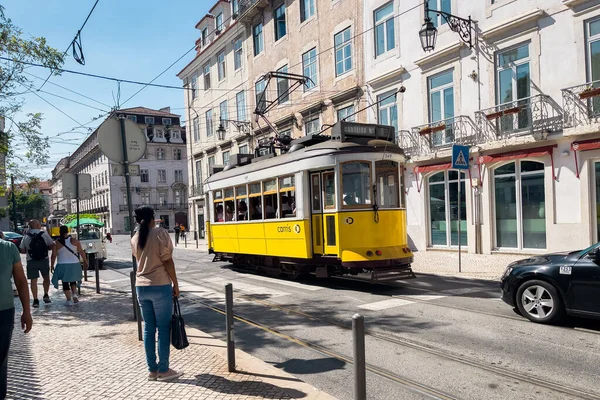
(331, 205)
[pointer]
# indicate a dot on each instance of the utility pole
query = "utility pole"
(77, 195)
(14, 202)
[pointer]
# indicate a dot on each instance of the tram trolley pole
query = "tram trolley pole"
(360, 374)
(229, 327)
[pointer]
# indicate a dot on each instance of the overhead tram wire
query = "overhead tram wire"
(77, 35)
(70, 90)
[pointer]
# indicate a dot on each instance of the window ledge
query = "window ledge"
(391, 76)
(518, 21)
(573, 3)
(451, 51)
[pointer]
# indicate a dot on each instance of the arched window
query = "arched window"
(443, 209)
(520, 205)
(160, 153)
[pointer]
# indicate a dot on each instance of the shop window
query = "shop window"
(241, 198)
(386, 175)
(356, 184)
(218, 203)
(255, 201)
(520, 205)
(443, 209)
(287, 197)
(229, 207)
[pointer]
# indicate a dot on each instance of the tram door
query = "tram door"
(323, 217)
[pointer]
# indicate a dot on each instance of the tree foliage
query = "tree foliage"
(29, 206)
(14, 82)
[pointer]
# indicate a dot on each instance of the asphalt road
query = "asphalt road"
(431, 337)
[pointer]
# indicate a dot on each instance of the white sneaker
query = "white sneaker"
(69, 303)
(75, 299)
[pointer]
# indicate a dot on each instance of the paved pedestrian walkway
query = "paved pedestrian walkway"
(91, 351)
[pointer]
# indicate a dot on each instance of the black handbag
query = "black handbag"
(178, 336)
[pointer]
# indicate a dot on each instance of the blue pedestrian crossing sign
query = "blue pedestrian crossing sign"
(460, 157)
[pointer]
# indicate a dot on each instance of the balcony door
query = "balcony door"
(441, 107)
(514, 88)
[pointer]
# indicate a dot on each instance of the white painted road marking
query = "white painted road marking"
(385, 304)
(247, 288)
(284, 283)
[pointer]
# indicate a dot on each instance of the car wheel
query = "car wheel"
(540, 302)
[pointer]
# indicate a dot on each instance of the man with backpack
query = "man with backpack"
(36, 245)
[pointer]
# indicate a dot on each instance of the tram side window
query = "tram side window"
(356, 183)
(229, 208)
(218, 203)
(270, 199)
(402, 188)
(386, 175)
(254, 201)
(241, 196)
(329, 189)
(287, 197)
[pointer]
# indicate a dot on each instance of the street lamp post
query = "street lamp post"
(243, 126)
(428, 33)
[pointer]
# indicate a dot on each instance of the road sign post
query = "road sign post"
(460, 162)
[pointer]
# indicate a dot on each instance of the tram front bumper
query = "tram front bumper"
(377, 257)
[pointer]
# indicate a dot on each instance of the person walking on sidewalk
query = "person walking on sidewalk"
(36, 245)
(10, 267)
(68, 269)
(156, 285)
(177, 231)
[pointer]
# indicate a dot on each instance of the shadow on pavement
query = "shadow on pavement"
(23, 377)
(247, 388)
(298, 366)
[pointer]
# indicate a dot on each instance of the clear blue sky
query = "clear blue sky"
(128, 39)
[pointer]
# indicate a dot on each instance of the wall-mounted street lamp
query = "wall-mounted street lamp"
(428, 33)
(242, 126)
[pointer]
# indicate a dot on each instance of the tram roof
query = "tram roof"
(357, 145)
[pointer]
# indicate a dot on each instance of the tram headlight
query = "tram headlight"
(90, 245)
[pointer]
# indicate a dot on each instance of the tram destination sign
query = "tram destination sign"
(344, 129)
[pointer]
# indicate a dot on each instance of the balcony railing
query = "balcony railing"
(581, 104)
(443, 134)
(537, 115)
(249, 8)
(157, 207)
(196, 190)
(408, 143)
(95, 210)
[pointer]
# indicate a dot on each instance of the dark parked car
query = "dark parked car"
(546, 287)
(13, 237)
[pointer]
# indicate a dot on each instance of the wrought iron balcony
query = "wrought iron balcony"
(408, 143)
(581, 104)
(249, 8)
(443, 134)
(196, 190)
(158, 207)
(537, 116)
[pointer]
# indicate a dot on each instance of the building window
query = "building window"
(124, 198)
(166, 121)
(311, 125)
(144, 177)
(240, 104)
(204, 36)
(388, 110)
(206, 71)
(159, 134)
(194, 85)
(440, 5)
(520, 205)
(162, 199)
(443, 208)
(283, 86)
(307, 9)
(279, 17)
(593, 61)
(209, 123)
(309, 68)
(162, 175)
(343, 52)
(132, 118)
(176, 154)
(178, 175)
(219, 22)
(257, 36)
(243, 149)
(225, 158)
(441, 106)
(223, 113)
(514, 83)
(145, 198)
(178, 197)
(259, 90)
(235, 8)
(175, 135)
(385, 39)
(237, 54)
(346, 114)
(211, 161)
(199, 173)
(160, 153)
(221, 66)
(149, 120)
(196, 129)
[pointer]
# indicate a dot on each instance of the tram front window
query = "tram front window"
(356, 183)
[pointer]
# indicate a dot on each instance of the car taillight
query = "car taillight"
(378, 252)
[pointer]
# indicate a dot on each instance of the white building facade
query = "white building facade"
(161, 184)
(217, 83)
(523, 97)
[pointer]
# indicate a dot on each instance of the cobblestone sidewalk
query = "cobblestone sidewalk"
(91, 351)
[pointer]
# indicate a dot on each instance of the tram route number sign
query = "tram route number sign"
(460, 157)
(354, 129)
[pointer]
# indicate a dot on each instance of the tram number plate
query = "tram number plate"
(565, 270)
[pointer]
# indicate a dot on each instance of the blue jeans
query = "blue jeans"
(7, 323)
(157, 308)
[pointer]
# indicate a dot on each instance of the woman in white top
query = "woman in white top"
(68, 270)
